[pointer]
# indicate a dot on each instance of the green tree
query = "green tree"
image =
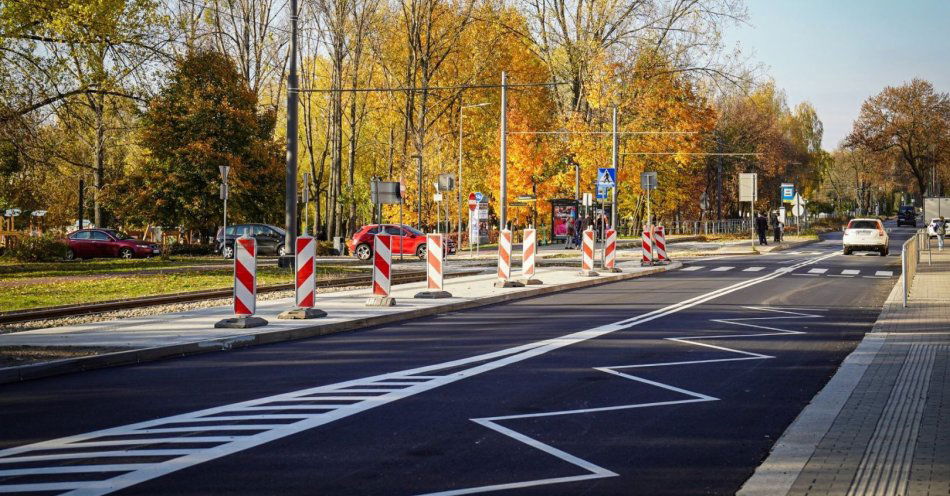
(205, 116)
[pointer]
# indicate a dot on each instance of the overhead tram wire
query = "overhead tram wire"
(604, 132)
(431, 88)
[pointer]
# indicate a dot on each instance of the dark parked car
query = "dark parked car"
(906, 214)
(270, 239)
(407, 240)
(93, 243)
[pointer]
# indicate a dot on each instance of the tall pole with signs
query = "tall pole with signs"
(305, 199)
(648, 182)
(748, 191)
(613, 164)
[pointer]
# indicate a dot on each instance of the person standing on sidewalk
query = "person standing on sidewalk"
(940, 228)
(762, 227)
(778, 228)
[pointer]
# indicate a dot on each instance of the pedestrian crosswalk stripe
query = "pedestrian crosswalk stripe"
(722, 269)
(850, 272)
(817, 271)
(753, 269)
(692, 268)
(885, 273)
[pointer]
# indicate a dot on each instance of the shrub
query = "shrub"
(325, 248)
(37, 249)
(189, 249)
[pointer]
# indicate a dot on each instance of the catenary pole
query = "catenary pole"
(503, 220)
(613, 163)
(290, 193)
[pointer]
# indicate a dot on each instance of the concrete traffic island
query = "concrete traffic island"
(380, 301)
(161, 336)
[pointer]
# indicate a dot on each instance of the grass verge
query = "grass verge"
(26, 296)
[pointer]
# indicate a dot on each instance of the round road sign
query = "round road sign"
(472, 202)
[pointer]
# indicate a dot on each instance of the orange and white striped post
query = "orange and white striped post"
(529, 248)
(305, 282)
(382, 272)
(245, 286)
(659, 239)
(435, 263)
(647, 246)
(610, 251)
(504, 261)
(587, 254)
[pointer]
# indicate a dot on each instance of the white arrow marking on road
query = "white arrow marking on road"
(390, 387)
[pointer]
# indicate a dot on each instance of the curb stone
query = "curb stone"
(71, 365)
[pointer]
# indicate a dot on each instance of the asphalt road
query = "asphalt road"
(673, 384)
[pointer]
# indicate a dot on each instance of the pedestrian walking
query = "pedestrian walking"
(779, 229)
(762, 227)
(940, 227)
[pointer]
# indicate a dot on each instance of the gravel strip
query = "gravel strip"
(148, 311)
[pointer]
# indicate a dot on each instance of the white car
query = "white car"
(865, 235)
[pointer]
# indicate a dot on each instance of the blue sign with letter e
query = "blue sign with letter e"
(788, 192)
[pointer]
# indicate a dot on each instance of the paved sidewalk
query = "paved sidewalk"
(882, 424)
(164, 335)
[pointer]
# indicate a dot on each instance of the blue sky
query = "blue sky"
(837, 53)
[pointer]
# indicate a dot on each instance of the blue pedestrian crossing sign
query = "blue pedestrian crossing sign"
(606, 177)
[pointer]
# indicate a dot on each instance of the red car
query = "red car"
(406, 240)
(93, 243)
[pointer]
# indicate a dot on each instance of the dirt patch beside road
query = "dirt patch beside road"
(11, 356)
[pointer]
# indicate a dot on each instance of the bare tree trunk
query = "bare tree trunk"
(99, 169)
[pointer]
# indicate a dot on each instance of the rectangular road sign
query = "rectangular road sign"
(748, 187)
(648, 180)
(788, 192)
(602, 192)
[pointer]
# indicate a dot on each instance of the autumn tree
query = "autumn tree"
(912, 123)
(206, 116)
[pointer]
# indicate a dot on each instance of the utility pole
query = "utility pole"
(458, 186)
(503, 217)
(290, 192)
(613, 163)
(719, 179)
(419, 193)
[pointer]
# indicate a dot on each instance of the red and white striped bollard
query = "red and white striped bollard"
(610, 251)
(587, 253)
(646, 246)
(504, 261)
(382, 272)
(529, 248)
(435, 264)
(245, 286)
(305, 281)
(659, 239)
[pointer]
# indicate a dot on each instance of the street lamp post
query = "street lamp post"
(224, 169)
(504, 152)
(459, 186)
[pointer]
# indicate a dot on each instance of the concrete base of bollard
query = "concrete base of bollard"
(613, 270)
(240, 323)
(587, 273)
(508, 284)
(380, 301)
(647, 264)
(433, 294)
(531, 282)
(302, 313)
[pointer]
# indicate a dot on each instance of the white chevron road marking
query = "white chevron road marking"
(595, 471)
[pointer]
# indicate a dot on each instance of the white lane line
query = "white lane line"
(180, 459)
(596, 471)
(753, 269)
(850, 272)
(817, 271)
(805, 275)
(692, 268)
(722, 269)
(884, 273)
